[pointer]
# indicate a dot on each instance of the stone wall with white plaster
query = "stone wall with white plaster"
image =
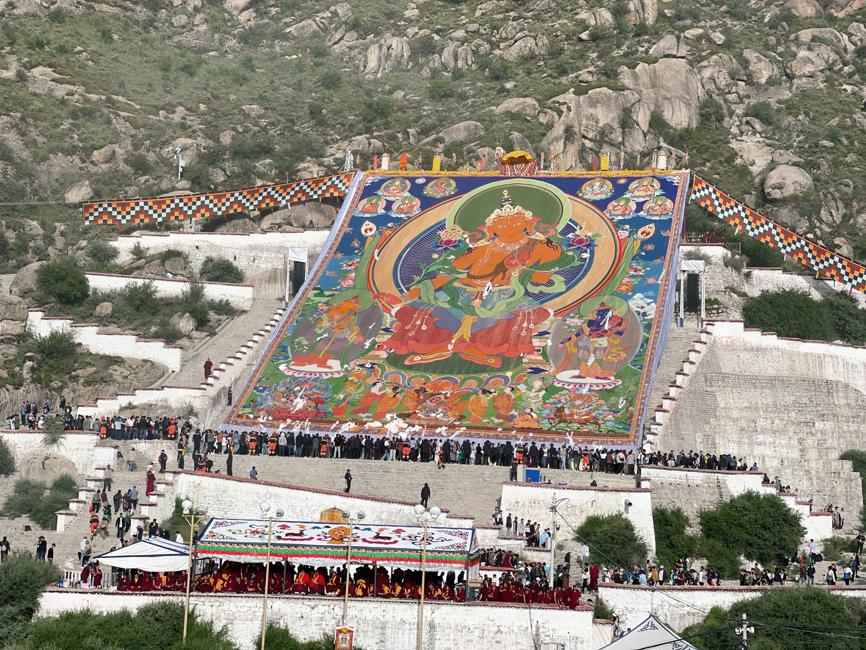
(239, 296)
(242, 497)
(80, 448)
(681, 607)
(379, 624)
(530, 501)
(116, 345)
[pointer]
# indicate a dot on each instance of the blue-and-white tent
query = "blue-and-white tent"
(650, 633)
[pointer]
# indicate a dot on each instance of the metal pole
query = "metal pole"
(420, 635)
(267, 581)
(348, 565)
(682, 298)
(552, 537)
(191, 521)
(701, 279)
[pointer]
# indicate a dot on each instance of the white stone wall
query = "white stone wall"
(379, 624)
(241, 497)
(239, 296)
(80, 448)
(735, 482)
(680, 607)
(252, 253)
(529, 501)
(117, 345)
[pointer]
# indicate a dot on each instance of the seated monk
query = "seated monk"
(123, 582)
(302, 583)
(459, 594)
(334, 586)
(318, 583)
(136, 583)
(146, 581)
(360, 589)
(448, 593)
(383, 587)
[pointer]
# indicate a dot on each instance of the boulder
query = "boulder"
(189, 149)
(177, 266)
(525, 106)
(853, 6)
(670, 88)
(644, 12)
(812, 63)
(304, 29)
(103, 310)
(519, 142)
(829, 35)
(462, 132)
(597, 115)
(761, 69)
(226, 137)
(238, 226)
(805, 8)
(235, 7)
(527, 47)
(320, 215)
(25, 279)
(387, 56)
(81, 191)
(183, 322)
(786, 181)
(12, 308)
(669, 46)
(253, 110)
(596, 18)
(105, 155)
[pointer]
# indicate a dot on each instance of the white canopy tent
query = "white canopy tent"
(153, 554)
(650, 633)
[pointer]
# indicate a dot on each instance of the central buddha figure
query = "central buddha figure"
(473, 300)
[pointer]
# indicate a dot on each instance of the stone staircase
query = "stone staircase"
(677, 345)
(793, 427)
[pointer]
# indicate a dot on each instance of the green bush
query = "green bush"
(137, 297)
(279, 638)
(760, 527)
(7, 461)
(719, 558)
(612, 540)
(62, 281)
(52, 431)
(789, 313)
(35, 500)
(786, 618)
(762, 111)
(377, 111)
(21, 580)
(672, 542)
(219, 269)
(330, 79)
(602, 610)
(156, 626)
(441, 89)
(102, 253)
(837, 548)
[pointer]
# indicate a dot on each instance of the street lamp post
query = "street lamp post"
(554, 504)
(425, 518)
(279, 513)
(352, 521)
(190, 517)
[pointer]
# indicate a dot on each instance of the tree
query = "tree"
(672, 542)
(612, 540)
(760, 527)
(806, 619)
(219, 269)
(21, 580)
(789, 313)
(52, 431)
(63, 281)
(7, 460)
(102, 253)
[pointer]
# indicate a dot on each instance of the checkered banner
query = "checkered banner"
(216, 204)
(825, 263)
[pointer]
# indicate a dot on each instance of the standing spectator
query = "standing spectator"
(229, 397)
(208, 368)
(5, 547)
(229, 459)
(130, 461)
(133, 497)
(163, 459)
(51, 555)
(254, 474)
(41, 548)
(859, 540)
(120, 526)
(106, 478)
(117, 499)
(348, 477)
(425, 494)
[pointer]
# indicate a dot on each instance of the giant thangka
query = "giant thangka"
(480, 305)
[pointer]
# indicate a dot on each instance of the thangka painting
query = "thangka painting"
(488, 306)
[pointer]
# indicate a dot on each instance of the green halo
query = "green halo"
(545, 201)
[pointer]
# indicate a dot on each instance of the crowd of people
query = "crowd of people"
(697, 460)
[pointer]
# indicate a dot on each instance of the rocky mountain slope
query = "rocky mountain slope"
(766, 97)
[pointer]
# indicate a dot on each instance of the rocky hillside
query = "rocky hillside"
(766, 97)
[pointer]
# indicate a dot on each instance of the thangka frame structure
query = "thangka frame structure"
(493, 306)
(327, 544)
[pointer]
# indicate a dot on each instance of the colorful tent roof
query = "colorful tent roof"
(650, 633)
(150, 554)
(326, 543)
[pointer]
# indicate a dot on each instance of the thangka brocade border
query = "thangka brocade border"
(215, 204)
(826, 263)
